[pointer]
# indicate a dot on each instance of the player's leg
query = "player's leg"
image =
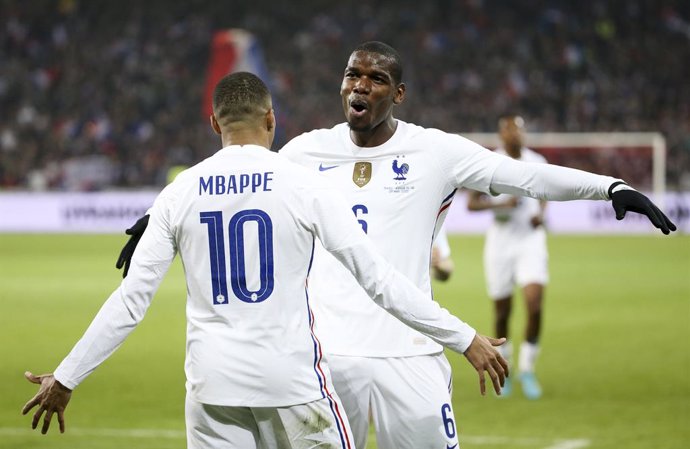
(503, 307)
(352, 379)
(411, 403)
(529, 349)
(532, 276)
(218, 427)
(533, 294)
(317, 424)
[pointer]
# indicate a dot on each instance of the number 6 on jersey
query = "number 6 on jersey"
(238, 279)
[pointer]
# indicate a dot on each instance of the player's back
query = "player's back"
(240, 220)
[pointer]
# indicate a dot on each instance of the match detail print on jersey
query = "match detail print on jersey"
(361, 174)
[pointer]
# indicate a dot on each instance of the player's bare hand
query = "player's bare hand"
(511, 202)
(483, 357)
(441, 268)
(537, 220)
(52, 397)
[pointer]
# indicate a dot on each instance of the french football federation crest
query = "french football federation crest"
(400, 170)
(361, 174)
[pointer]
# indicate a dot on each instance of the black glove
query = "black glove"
(631, 200)
(135, 232)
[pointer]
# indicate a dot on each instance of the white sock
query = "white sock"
(528, 357)
(506, 351)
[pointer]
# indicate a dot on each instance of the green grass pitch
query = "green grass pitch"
(615, 364)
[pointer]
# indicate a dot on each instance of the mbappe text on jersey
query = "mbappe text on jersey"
(235, 184)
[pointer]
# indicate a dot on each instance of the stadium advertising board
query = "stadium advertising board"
(113, 212)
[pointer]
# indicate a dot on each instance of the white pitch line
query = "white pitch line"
(110, 433)
(479, 440)
(483, 440)
(570, 444)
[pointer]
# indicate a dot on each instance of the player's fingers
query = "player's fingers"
(61, 420)
(667, 225)
(495, 379)
(31, 378)
(37, 417)
(504, 364)
(620, 211)
(651, 212)
(500, 372)
(496, 341)
(29, 405)
(482, 382)
(671, 225)
(46, 421)
(120, 261)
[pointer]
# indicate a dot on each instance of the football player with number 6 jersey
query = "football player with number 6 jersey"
(399, 179)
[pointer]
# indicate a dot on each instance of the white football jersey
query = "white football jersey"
(518, 219)
(399, 192)
(245, 223)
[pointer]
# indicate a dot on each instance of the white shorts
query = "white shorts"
(320, 423)
(409, 399)
(514, 259)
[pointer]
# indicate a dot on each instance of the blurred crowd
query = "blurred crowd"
(100, 94)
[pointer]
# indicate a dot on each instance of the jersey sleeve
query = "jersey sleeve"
(291, 150)
(343, 237)
(126, 306)
(465, 163)
(549, 182)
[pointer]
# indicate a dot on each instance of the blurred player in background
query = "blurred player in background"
(515, 253)
(255, 373)
(442, 265)
(399, 180)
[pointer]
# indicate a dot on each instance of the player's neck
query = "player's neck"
(376, 136)
(514, 152)
(246, 137)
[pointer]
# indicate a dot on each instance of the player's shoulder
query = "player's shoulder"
(314, 140)
(447, 144)
(298, 176)
(529, 155)
(417, 133)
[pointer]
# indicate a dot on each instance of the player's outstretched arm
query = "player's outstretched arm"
(135, 233)
(625, 198)
(553, 182)
(52, 397)
(483, 357)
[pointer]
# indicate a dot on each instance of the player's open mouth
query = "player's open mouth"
(358, 107)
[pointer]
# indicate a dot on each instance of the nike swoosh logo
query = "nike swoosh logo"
(328, 167)
(452, 447)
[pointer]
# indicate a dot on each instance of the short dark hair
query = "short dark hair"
(511, 116)
(240, 96)
(389, 53)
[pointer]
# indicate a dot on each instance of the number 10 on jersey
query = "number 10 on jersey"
(238, 279)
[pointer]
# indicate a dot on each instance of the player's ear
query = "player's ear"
(270, 120)
(399, 96)
(214, 123)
